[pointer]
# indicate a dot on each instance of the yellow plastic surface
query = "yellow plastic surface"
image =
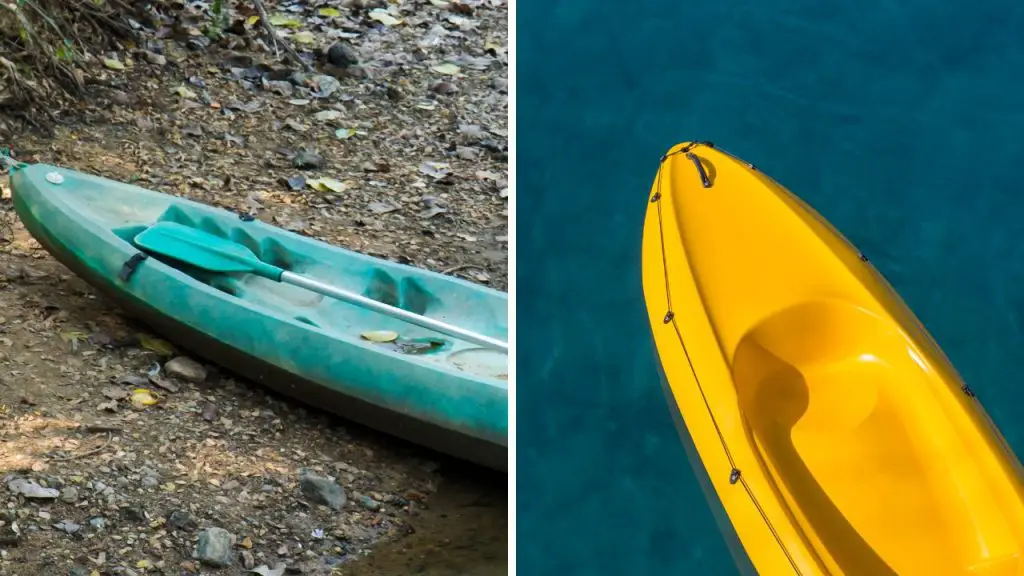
(792, 360)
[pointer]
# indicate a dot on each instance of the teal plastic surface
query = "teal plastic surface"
(432, 378)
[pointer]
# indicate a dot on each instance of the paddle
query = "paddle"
(216, 254)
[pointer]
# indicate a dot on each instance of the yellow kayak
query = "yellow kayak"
(836, 434)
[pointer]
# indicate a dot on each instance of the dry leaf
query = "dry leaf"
(380, 336)
(381, 15)
(446, 68)
(161, 347)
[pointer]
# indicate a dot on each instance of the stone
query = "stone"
(321, 490)
(187, 369)
(214, 547)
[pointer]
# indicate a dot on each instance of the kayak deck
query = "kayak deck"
(129, 217)
(852, 445)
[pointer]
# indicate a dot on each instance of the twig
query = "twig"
(460, 267)
(265, 21)
(92, 452)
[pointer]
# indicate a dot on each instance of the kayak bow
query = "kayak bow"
(836, 435)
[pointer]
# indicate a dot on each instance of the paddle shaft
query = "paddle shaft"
(371, 304)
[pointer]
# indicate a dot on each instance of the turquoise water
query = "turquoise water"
(901, 122)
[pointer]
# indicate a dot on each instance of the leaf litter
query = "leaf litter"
(420, 91)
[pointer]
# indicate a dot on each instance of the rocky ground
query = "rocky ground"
(388, 138)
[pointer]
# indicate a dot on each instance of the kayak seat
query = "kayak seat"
(848, 423)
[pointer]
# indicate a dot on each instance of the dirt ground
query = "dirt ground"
(403, 155)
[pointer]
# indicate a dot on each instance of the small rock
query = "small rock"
(98, 523)
(150, 481)
(69, 494)
(237, 59)
(79, 571)
(342, 55)
(118, 97)
(326, 85)
(307, 159)
(444, 88)
(134, 513)
(209, 412)
(181, 520)
(282, 87)
(366, 502)
(500, 84)
(30, 489)
(248, 561)
(321, 490)
(185, 369)
(67, 526)
(154, 58)
(467, 153)
(214, 547)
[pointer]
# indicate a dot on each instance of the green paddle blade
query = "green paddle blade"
(203, 250)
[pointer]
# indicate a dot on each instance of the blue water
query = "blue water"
(902, 122)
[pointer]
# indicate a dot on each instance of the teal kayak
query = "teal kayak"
(435, 390)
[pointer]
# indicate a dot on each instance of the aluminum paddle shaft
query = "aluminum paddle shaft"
(371, 304)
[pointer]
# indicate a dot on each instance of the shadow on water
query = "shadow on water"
(464, 530)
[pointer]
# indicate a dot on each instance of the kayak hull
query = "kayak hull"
(429, 402)
(837, 436)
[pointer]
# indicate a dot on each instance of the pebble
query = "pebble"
(154, 58)
(307, 159)
(67, 526)
(30, 489)
(181, 520)
(248, 561)
(150, 481)
(133, 512)
(367, 502)
(444, 88)
(69, 494)
(79, 571)
(98, 523)
(185, 369)
(214, 547)
(321, 490)
(342, 55)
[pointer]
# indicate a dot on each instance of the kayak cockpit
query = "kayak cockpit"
(851, 426)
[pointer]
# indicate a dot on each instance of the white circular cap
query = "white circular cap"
(54, 178)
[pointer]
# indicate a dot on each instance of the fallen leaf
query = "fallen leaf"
(252, 20)
(380, 336)
(327, 115)
(344, 133)
(184, 92)
(286, 21)
(436, 170)
(446, 68)
(382, 207)
(73, 338)
(328, 12)
(381, 15)
(115, 393)
(326, 184)
(304, 37)
(161, 347)
(113, 63)
(141, 398)
(143, 564)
